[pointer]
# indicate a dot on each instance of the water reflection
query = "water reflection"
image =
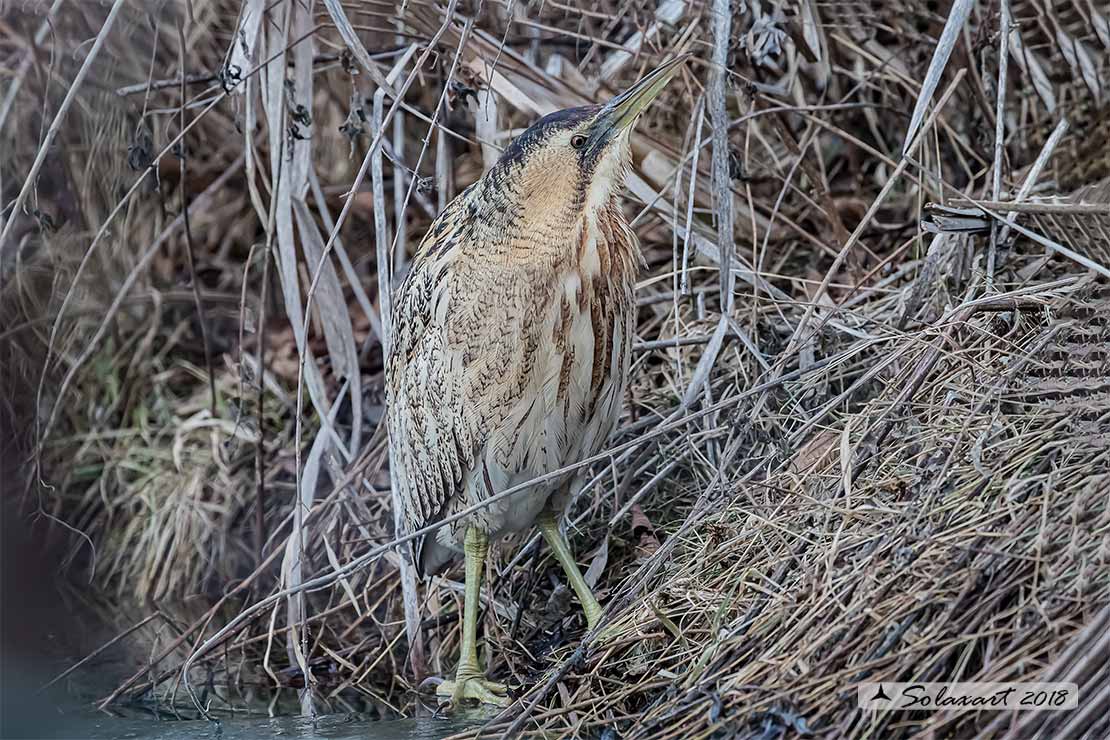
(332, 727)
(55, 715)
(66, 710)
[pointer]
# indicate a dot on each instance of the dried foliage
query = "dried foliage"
(867, 437)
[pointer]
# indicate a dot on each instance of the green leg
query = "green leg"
(550, 528)
(470, 682)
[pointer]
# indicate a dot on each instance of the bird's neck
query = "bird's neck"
(606, 247)
(509, 224)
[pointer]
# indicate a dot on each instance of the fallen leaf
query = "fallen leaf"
(597, 564)
(648, 543)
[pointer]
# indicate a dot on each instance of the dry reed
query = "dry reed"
(867, 437)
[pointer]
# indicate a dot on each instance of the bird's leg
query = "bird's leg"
(470, 682)
(550, 528)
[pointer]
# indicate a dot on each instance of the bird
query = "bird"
(511, 348)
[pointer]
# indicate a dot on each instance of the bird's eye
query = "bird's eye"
(578, 141)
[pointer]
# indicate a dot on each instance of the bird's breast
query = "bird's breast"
(585, 347)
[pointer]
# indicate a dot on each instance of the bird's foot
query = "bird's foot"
(473, 687)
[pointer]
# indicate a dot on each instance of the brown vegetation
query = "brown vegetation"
(881, 451)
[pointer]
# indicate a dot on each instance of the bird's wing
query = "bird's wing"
(465, 336)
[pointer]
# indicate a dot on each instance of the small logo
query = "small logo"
(880, 695)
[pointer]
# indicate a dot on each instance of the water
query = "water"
(29, 715)
(291, 728)
(67, 713)
(43, 634)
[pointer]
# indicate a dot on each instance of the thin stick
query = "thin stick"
(190, 251)
(718, 115)
(1039, 207)
(999, 136)
(260, 449)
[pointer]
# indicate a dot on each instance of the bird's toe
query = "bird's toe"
(473, 689)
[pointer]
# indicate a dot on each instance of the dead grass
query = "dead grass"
(882, 455)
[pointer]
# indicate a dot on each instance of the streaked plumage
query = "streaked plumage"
(512, 336)
(511, 349)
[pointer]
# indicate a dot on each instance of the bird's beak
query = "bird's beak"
(621, 112)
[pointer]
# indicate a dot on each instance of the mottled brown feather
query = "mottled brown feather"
(511, 339)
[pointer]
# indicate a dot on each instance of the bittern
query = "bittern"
(512, 336)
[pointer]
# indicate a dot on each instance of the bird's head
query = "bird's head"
(574, 161)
